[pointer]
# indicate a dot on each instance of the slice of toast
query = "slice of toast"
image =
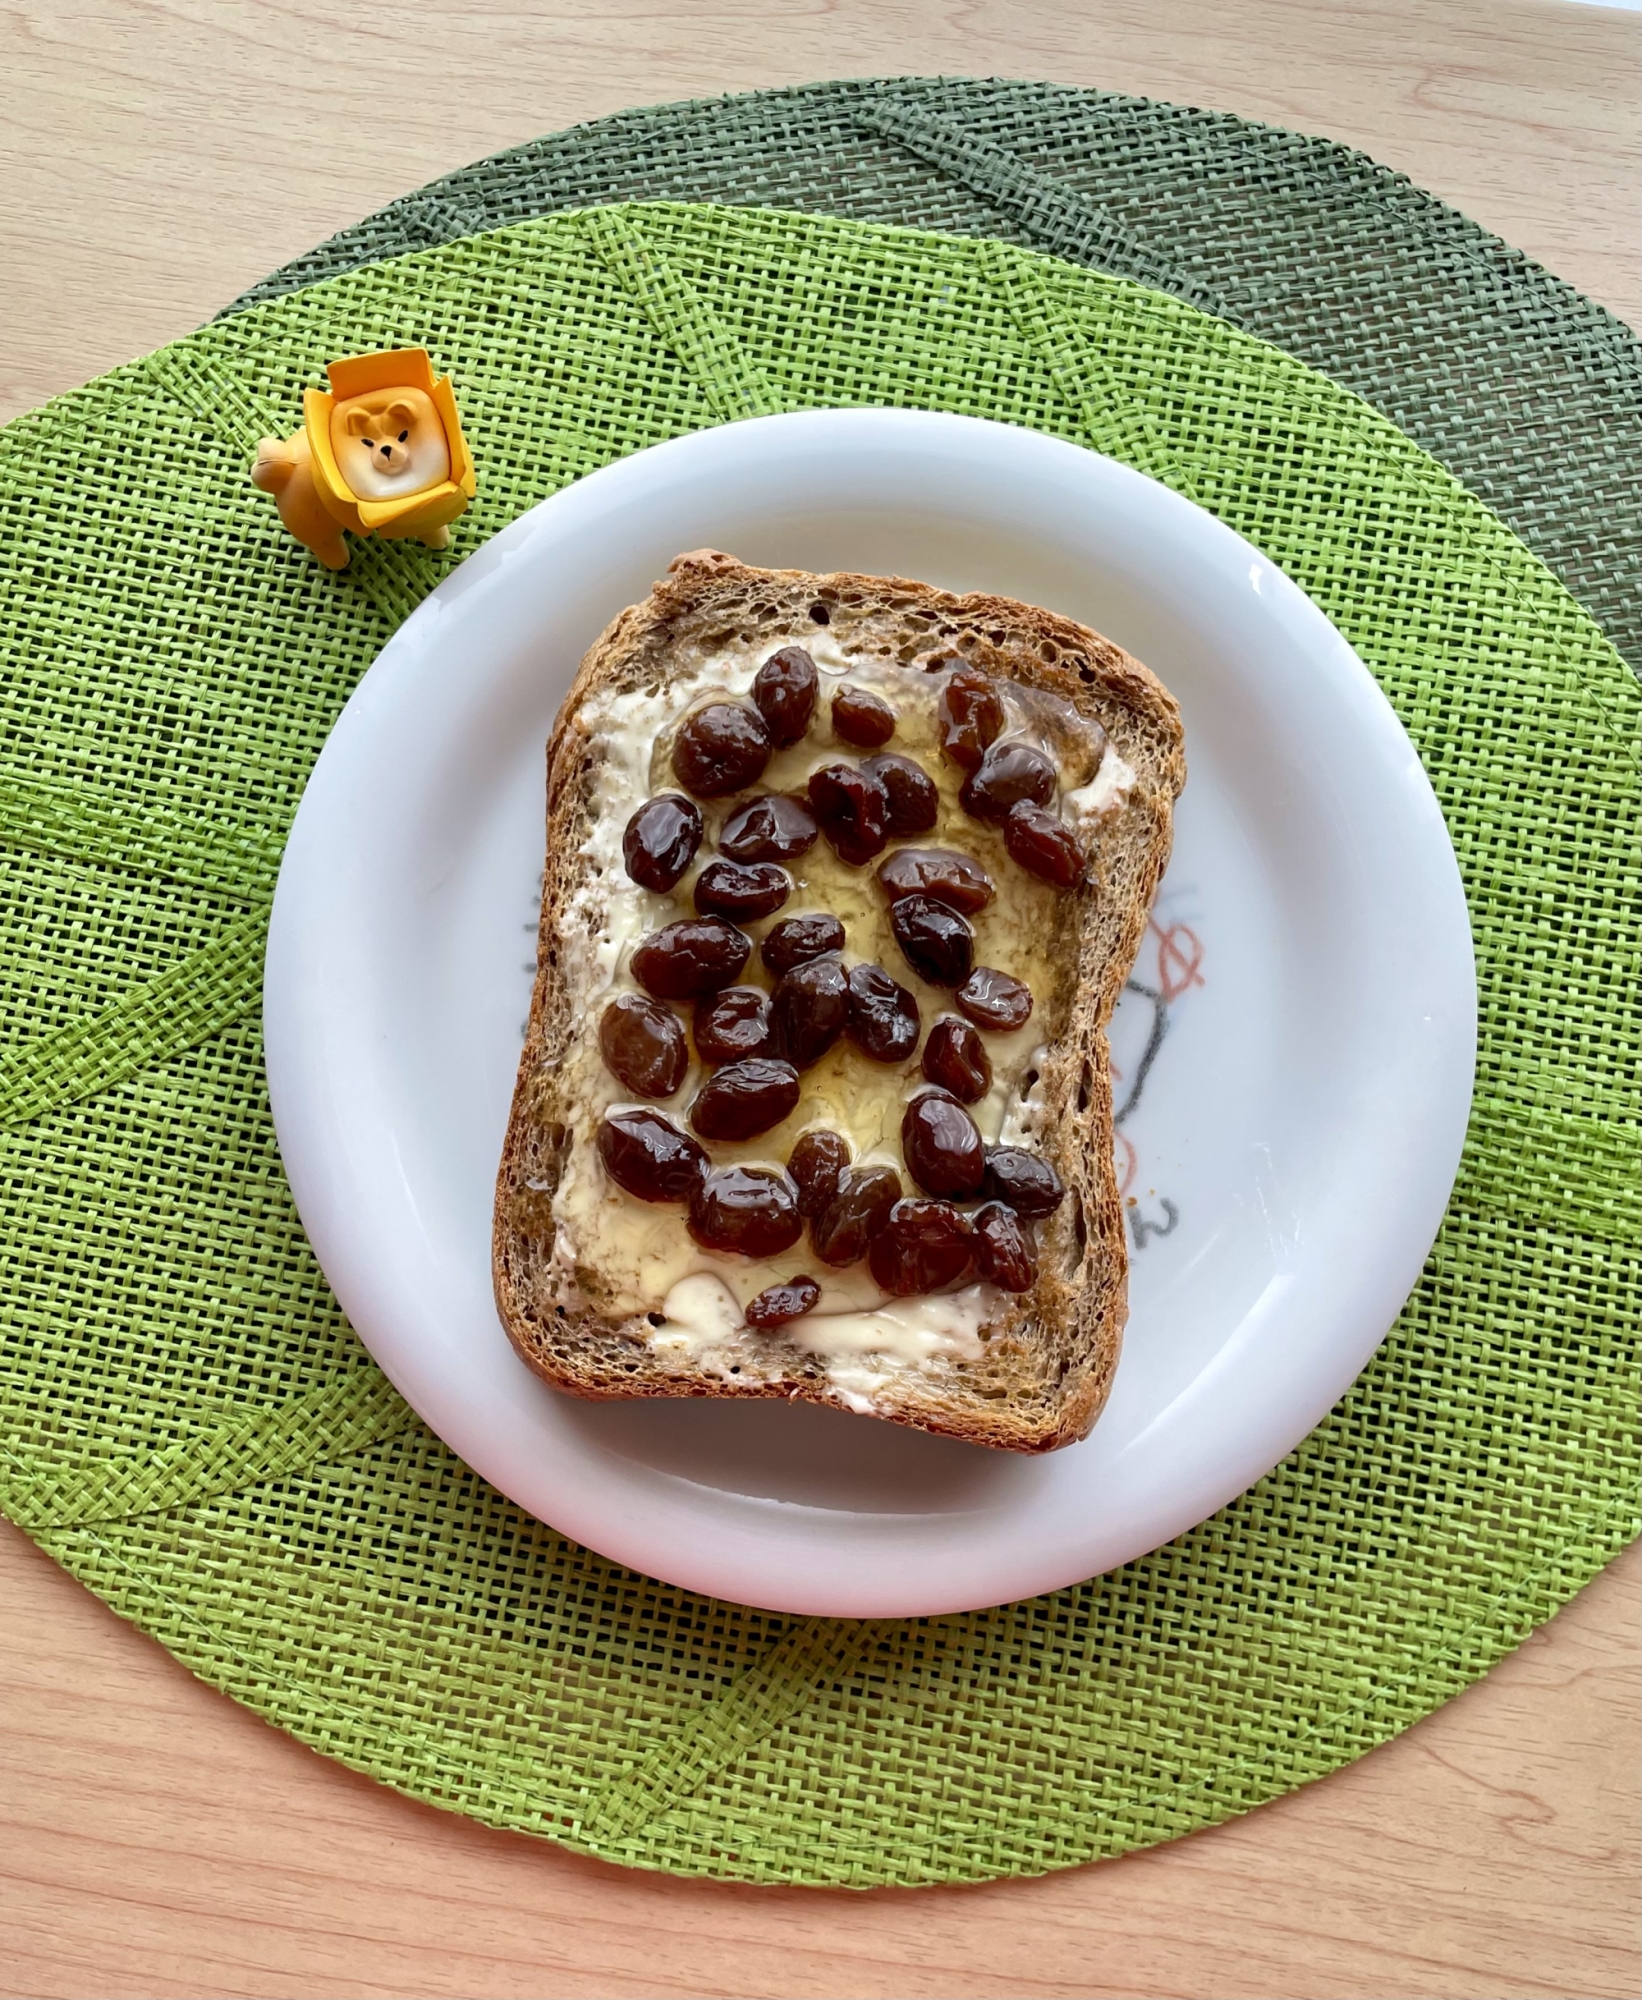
(605, 1295)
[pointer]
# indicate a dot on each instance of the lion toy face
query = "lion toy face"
(389, 443)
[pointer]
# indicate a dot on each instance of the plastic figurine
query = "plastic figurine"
(381, 453)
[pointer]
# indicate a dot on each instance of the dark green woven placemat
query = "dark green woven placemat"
(189, 1425)
(1527, 391)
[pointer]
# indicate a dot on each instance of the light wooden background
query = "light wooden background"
(155, 157)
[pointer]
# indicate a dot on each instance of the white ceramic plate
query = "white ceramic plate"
(1295, 1058)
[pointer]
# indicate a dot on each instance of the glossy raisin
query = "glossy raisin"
(923, 1246)
(772, 827)
(694, 956)
(649, 1156)
(955, 1058)
(735, 1024)
(914, 801)
(784, 691)
(817, 1163)
(943, 1150)
(643, 1045)
(1043, 846)
(852, 809)
(742, 891)
(937, 942)
(861, 718)
(1008, 773)
(883, 1016)
(721, 748)
(1003, 1249)
(843, 1233)
(661, 841)
(951, 878)
(809, 1008)
(995, 1000)
(745, 1098)
(1023, 1182)
(776, 1305)
(752, 1210)
(796, 940)
(970, 713)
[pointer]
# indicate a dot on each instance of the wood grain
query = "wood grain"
(155, 157)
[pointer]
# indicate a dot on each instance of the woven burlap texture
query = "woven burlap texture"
(191, 1428)
(1528, 392)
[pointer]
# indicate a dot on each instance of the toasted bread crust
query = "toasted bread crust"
(1049, 1366)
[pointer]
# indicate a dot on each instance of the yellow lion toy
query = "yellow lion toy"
(380, 453)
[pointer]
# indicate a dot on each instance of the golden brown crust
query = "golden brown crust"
(1048, 1369)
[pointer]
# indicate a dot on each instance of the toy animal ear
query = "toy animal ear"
(356, 423)
(400, 416)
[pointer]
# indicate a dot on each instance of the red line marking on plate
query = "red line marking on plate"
(1179, 959)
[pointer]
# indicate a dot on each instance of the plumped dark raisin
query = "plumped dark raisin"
(1008, 773)
(661, 841)
(1023, 1182)
(649, 1156)
(937, 942)
(809, 1008)
(772, 827)
(970, 714)
(859, 717)
(745, 1098)
(795, 940)
(955, 1058)
(943, 1150)
(923, 1246)
(883, 1016)
(843, 1233)
(784, 690)
(694, 956)
(777, 1304)
(1003, 1249)
(1043, 846)
(817, 1164)
(752, 1210)
(720, 749)
(951, 878)
(742, 891)
(852, 809)
(993, 999)
(735, 1024)
(914, 801)
(643, 1045)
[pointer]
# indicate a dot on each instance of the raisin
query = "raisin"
(1022, 1181)
(721, 748)
(951, 878)
(745, 1098)
(970, 714)
(751, 1210)
(777, 1304)
(859, 717)
(795, 940)
(809, 1008)
(694, 956)
(1008, 773)
(883, 1016)
(995, 1000)
(817, 1164)
(852, 808)
(784, 691)
(649, 1156)
(936, 941)
(955, 1058)
(661, 841)
(1043, 846)
(843, 1233)
(735, 1024)
(772, 827)
(742, 891)
(1003, 1249)
(943, 1150)
(643, 1045)
(914, 802)
(923, 1246)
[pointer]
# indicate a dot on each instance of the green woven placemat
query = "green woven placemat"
(1528, 392)
(191, 1428)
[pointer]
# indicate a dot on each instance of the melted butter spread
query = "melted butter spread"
(637, 1258)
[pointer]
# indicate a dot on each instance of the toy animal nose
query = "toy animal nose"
(386, 450)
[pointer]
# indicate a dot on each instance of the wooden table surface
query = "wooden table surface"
(158, 155)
